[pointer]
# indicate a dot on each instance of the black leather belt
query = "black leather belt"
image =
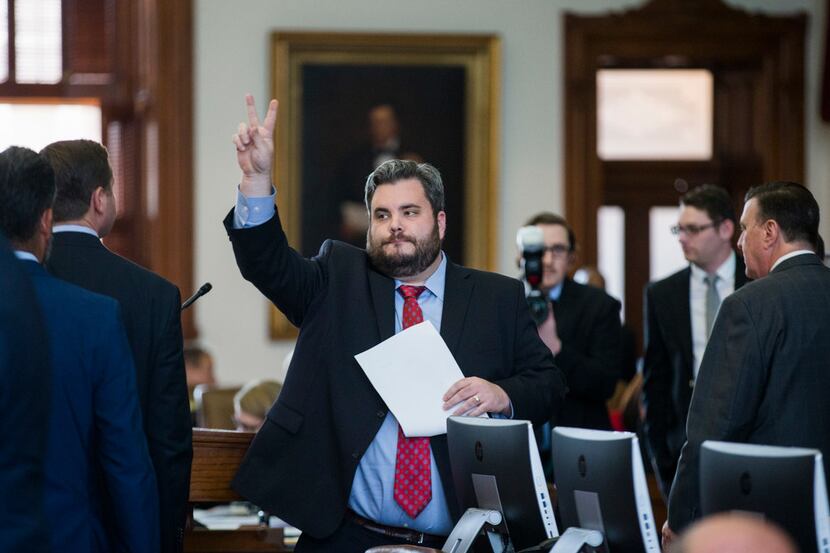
(405, 534)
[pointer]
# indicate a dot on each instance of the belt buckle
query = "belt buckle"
(420, 538)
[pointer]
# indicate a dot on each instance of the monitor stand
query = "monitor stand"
(580, 540)
(467, 529)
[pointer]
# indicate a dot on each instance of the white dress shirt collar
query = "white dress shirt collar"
(787, 256)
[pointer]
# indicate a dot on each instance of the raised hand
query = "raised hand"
(255, 149)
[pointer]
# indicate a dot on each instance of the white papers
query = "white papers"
(411, 371)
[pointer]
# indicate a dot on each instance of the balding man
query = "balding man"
(734, 533)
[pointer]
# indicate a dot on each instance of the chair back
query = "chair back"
(214, 406)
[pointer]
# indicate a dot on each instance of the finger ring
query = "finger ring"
(478, 399)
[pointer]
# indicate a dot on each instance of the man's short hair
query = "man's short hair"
(80, 167)
(712, 199)
(394, 170)
(27, 190)
(790, 205)
(549, 218)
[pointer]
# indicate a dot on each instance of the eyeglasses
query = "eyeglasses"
(557, 250)
(693, 230)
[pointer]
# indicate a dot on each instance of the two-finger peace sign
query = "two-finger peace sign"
(254, 141)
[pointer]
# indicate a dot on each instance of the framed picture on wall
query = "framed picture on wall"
(350, 101)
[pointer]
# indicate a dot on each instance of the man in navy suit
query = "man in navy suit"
(326, 458)
(95, 422)
(24, 410)
(84, 212)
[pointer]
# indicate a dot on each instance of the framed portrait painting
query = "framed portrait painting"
(350, 101)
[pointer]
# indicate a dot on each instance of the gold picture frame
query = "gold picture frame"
(476, 58)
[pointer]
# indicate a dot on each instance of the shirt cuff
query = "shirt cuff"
(253, 211)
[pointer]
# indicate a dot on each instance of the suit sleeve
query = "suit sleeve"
(593, 374)
(283, 276)
(537, 386)
(122, 447)
(729, 389)
(657, 392)
(24, 412)
(169, 435)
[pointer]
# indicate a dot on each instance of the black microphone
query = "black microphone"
(206, 287)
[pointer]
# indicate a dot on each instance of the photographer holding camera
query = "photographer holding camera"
(580, 324)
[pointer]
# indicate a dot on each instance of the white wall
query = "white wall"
(232, 57)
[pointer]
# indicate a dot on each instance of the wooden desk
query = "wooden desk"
(216, 458)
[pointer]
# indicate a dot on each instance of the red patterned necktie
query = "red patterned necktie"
(413, 481)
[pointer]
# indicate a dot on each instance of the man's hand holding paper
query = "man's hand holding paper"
(409, 371)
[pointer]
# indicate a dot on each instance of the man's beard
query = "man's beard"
(400, 265)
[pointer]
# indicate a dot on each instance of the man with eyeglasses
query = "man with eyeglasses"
(766, 372)
(679, 313)
(582, 330)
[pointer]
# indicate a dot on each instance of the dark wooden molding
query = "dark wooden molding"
(170, 116)
(766, 52)
(135, 60)
(150, 101)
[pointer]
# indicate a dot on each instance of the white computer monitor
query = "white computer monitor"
(785, 485)
(601, 486)
(496, 465)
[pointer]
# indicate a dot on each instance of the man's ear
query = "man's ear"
(726, 229)
(772, 232)
(97, 199)
(46, 222)
(442, 224)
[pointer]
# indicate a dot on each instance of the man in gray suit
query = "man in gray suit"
(766, 372)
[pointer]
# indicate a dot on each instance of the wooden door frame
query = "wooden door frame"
(664, 33)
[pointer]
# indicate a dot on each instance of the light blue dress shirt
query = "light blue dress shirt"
(25, 256)
(254, 210)
(372, 494)
(556, 291)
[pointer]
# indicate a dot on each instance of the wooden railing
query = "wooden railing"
(216, 458)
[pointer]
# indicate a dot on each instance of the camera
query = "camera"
(531, 242)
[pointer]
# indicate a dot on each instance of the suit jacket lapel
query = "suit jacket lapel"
(684, 318)
(382, 289)
(457, 293)
(564, 308)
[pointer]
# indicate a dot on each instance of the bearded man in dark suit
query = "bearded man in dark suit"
(679, 312)
(766, 371)
(85, 212)
(325, 459)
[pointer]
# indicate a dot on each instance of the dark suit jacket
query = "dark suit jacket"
(301, 464)
(25, 385)
(151, 309)
(668, 368)
(588, 323)
(765, 375)
(94, 419)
